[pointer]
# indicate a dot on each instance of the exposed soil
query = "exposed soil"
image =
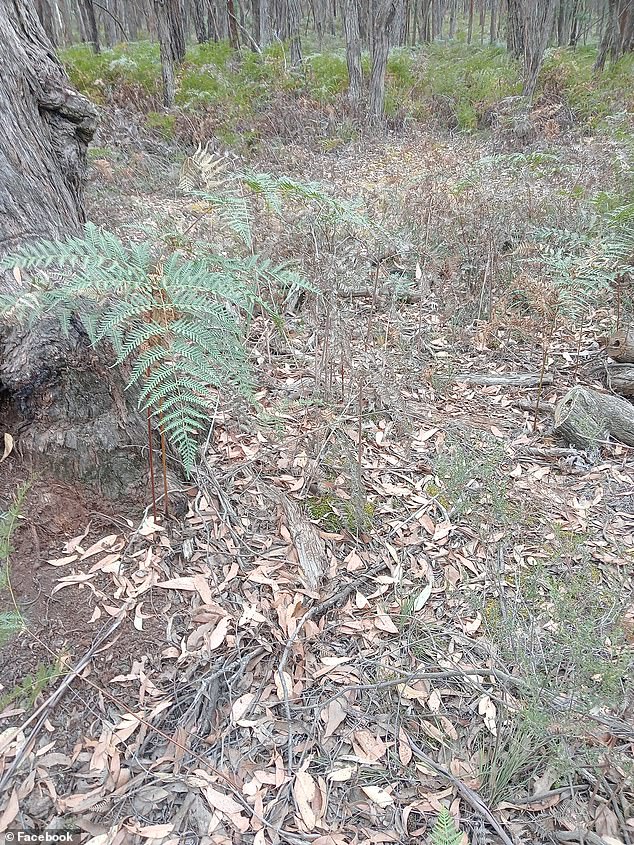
(60, 625)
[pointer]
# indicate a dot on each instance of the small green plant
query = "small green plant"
(30, 687)
(162, 123)
(445, 830)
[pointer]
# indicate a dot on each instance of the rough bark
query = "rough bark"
(620, 378)
(65, 408)
(294, 24)
(615, 32)
(47, 19)
(89, 21)
(538, 17)
(515, 29)
(232, 21)
(383, 18)
(200, 18)
(585, 417)
(264, 19)
(171, 36)
(353, 51)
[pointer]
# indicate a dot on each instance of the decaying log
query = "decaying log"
(584, 417)
(620, 347)
(513, 380)
(620, 378)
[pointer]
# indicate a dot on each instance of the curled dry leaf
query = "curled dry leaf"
(8, 446)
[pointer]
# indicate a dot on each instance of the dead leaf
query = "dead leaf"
(378, 795)
(304, 794)
(8, 446)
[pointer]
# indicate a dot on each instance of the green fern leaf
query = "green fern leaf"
(445, 832)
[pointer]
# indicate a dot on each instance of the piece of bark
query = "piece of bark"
(584, 417)
(513, 380)
(620, 378)
(308, 544)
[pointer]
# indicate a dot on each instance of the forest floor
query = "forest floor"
(468, 643)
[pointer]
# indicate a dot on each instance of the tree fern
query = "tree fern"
(445, 832)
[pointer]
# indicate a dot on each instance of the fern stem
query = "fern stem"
(164, 468)
(151, 459)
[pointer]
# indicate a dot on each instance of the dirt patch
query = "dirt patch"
(58, 625)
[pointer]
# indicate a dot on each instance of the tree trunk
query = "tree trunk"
(383, 17)
(539, 17)
(265, 23)
(232, 22)
(611, 40)
(200, 18)
(171, 36)
(47, 19)
(294, 24)
(515, 29)
(62, 404)
(87, 12)
(353, 51)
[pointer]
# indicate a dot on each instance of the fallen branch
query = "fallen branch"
(584, 417)
(513, 379)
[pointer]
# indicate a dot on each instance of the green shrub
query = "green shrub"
(326, 76)
(163, 123)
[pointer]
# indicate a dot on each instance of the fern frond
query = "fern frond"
(233, 212)
(445, 831)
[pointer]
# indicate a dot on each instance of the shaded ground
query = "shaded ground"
(468, 643)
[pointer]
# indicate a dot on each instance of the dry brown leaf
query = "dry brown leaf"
(221, 802)
(304, 793)
(405, 753)
(242, 705)
(378, 795)
(434, 702)
(368, 746)
(384, 623)
(10, 811)
(341, 775)
(333, 715)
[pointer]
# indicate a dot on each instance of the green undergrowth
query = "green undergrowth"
(236, 87)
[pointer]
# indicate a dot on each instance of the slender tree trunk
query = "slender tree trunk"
(353, 51)
(294, 24)
(265, 23)
(200, 19)
(538, 23)
(383, 17)
(57, 399)
(470, 23)
(611, 40)
(87, 11)
(493, 29)
(172, 44)
(232, 21)
(515, 29)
